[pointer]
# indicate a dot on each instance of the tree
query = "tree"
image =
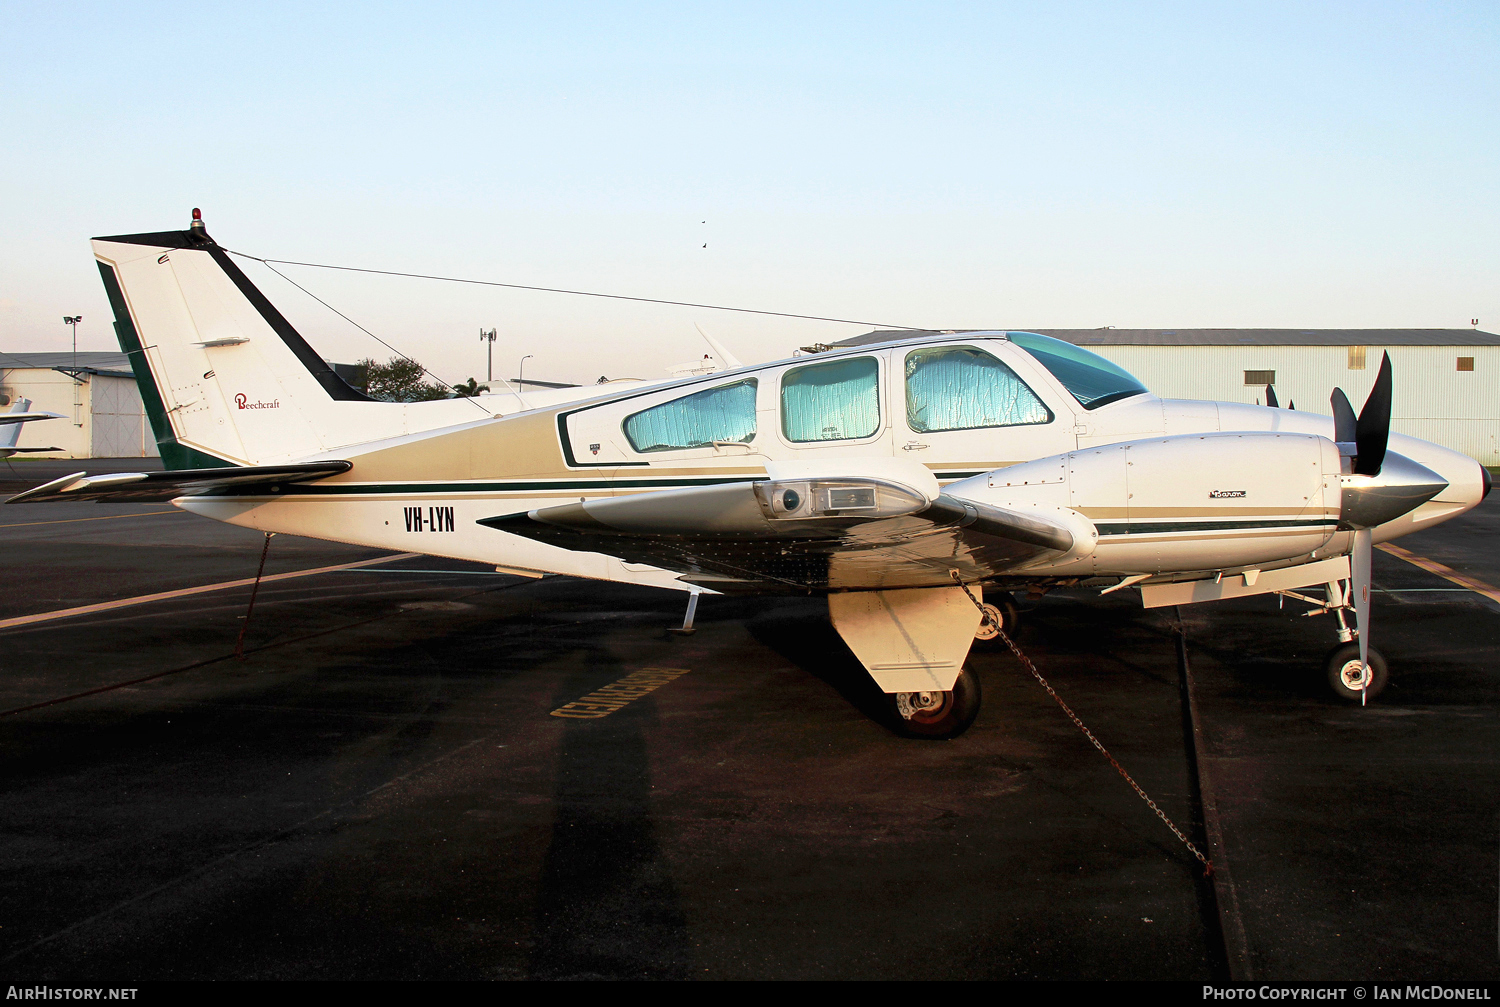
(399, 380)
(469, 389)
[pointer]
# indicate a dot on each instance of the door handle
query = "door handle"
(914, 446)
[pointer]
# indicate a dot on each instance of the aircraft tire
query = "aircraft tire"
(949, 719)
(1343, 673)
(1003, 607)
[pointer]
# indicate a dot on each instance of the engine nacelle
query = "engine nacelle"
(1184, 503)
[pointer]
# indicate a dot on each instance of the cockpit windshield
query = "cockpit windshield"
(1091, 379)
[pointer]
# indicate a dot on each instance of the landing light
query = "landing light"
(821, 498)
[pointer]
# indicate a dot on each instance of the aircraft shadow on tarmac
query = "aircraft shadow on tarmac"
(802, 635)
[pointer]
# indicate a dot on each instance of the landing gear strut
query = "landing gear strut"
(1350, 680)
(937, 714)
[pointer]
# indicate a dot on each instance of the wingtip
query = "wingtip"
(55, 486)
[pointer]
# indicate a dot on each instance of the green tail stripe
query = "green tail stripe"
(174, 456)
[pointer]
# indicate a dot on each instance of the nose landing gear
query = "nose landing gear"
(1351, 681)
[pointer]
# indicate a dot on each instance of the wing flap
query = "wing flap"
(148, 487)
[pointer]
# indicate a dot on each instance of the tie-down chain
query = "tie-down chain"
(988, 617)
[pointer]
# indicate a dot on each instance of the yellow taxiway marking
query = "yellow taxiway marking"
(146, 599)
(1447, 573)
(107, 517)
(617, 695)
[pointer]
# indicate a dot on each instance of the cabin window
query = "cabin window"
(961, 388)
(723, 414)
(839, 400)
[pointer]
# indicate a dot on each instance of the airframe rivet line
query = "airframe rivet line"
(617, 695)
(146, 599)
(1447, 573)
(1208, 866)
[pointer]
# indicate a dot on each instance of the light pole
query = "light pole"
(73, 320)
(489, 353)
(522, 370)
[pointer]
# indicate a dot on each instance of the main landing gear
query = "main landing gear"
(949, 714)
(937, 714)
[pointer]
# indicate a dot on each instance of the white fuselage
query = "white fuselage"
(395, 506)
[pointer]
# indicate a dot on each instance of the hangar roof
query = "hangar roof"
(1233, 337)
(100, 360)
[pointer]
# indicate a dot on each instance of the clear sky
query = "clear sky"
(990, 165)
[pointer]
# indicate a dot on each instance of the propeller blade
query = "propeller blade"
(1343, 417)
(1292, 405)
(1271, 398)
(1373, 428)
(1359, 572)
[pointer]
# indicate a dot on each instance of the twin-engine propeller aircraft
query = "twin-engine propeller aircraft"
(10, 427)
(902, 479)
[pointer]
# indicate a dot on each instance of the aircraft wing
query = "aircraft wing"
(146, 487)
(801, 534)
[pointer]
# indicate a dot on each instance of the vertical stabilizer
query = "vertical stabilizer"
(225, 378)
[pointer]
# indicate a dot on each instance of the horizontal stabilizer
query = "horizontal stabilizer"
(146, 487)
(28, 417)
(22, 451)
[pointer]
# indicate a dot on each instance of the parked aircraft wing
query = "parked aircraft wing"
(801, 534)
(145, 487)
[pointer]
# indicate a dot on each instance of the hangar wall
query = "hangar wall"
(1431, 398)
(102, 409)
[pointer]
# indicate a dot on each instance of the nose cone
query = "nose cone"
(1401, 486)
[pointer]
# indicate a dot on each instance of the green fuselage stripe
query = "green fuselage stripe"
(382, 489)
(1162, 527)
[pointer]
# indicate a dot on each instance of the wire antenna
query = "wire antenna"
(382, 342)
(577, 293)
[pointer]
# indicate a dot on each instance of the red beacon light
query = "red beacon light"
(197, 226)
